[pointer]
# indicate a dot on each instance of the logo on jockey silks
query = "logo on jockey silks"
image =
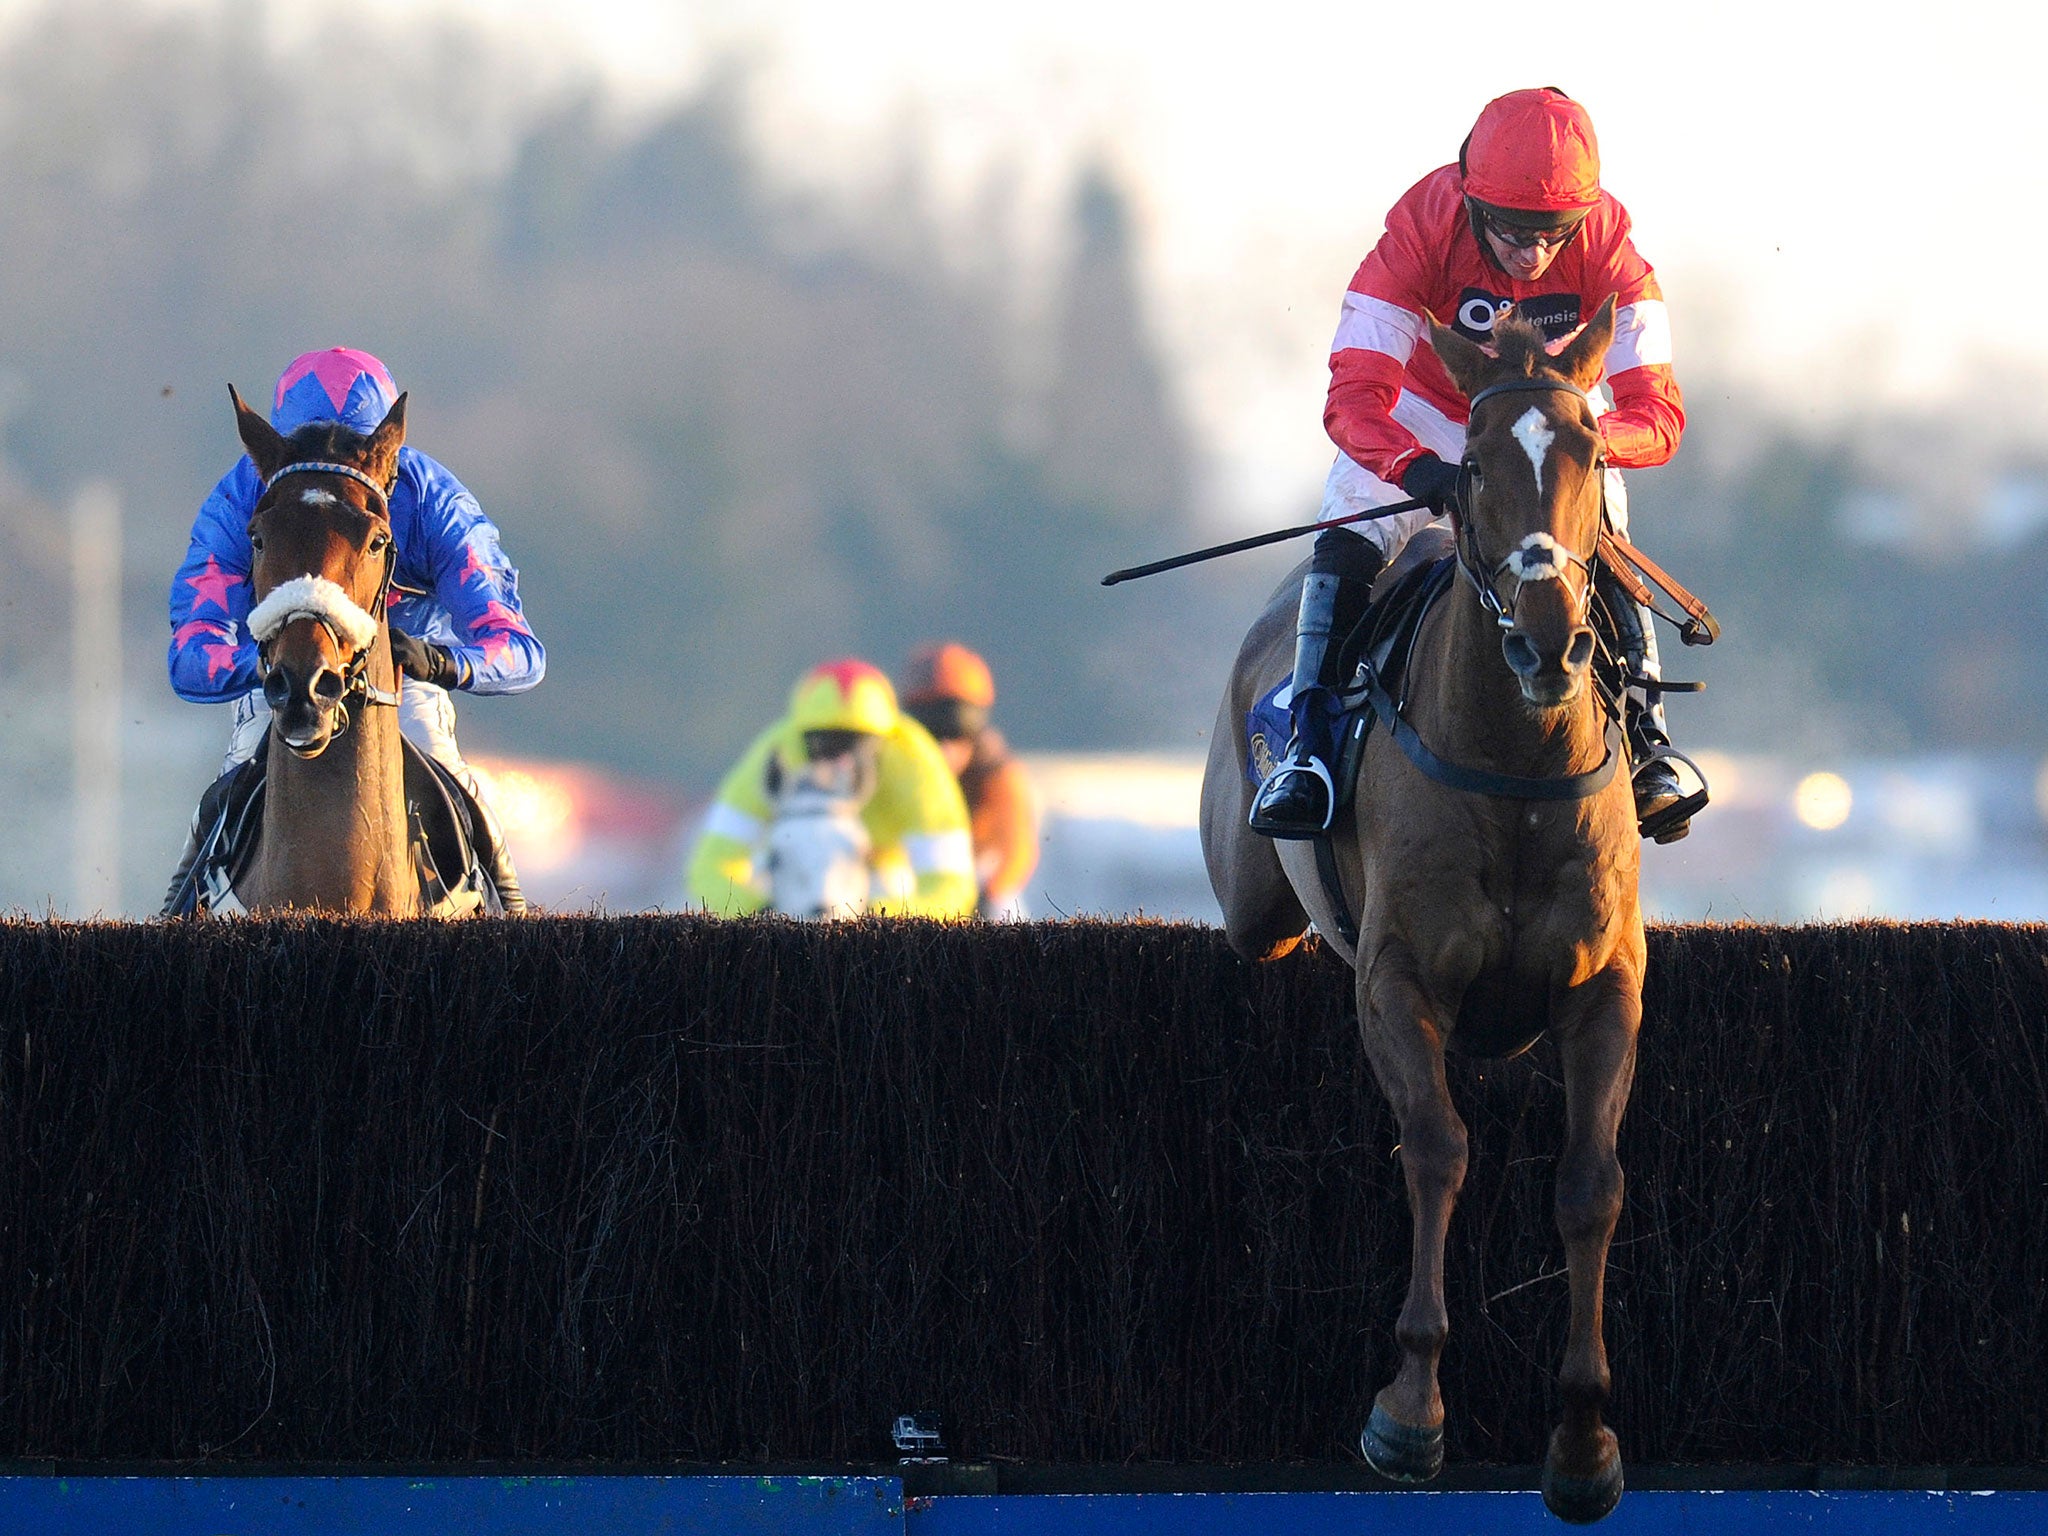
(1556, 313)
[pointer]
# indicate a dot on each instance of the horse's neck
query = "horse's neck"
(335, 833)
(1470, 708)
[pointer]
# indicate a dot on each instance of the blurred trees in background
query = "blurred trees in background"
(728, 429)
(725, 434)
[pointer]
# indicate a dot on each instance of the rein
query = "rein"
(355, 673)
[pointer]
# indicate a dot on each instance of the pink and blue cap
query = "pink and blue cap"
(338, 384)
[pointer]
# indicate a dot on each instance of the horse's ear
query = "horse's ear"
(1583, 360)
(385, 442)
(1463, 360)
(267, 448)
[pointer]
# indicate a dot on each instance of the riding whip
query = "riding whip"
(1256, 540)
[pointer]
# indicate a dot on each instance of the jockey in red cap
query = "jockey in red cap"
(1520, 221)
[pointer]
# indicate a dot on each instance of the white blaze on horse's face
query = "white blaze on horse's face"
(1535, 436)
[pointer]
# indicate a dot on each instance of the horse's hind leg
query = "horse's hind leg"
(1404, 1437)
(1582, 1476)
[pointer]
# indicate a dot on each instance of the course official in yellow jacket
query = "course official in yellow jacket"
(916, 818)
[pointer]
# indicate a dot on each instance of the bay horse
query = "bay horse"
(335, 828)
(1493, 907)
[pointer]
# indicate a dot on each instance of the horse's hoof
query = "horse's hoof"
(1582, 1500)
(1403, 1452)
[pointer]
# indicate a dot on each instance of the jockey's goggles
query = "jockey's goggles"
(948, 719)
(820, 746)
(1521, 239)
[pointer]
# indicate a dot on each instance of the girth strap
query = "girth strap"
(1480, 781)
(1333, 887)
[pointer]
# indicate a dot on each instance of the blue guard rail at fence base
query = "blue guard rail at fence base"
(619, 1505)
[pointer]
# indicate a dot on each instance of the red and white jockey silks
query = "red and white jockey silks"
(1390, 397)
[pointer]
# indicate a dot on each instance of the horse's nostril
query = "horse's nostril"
(1580, 651)
(1523, 657)
(277, 688)
(327, 687)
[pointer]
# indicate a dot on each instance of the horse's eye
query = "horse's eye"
(379, 542)
(256, 542)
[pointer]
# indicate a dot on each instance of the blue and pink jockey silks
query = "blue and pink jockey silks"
(453, 586)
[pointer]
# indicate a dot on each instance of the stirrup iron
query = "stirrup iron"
(1678, 815)
(1309, 764)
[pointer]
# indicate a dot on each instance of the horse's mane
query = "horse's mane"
(1521, 347)
(329, 440)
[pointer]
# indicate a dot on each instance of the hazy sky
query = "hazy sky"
(1827, 190)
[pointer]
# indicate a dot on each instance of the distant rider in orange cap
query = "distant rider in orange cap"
(949, 690)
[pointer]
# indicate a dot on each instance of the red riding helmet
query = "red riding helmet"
(1533, 152)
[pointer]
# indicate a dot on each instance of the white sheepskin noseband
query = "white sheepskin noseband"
(1539, 557)
(313, 597)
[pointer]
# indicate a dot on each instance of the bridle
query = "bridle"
(1472, 563)
(356, 687)
(1478, 781)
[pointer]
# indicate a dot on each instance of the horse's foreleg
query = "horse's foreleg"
(1582, 1476)
(1404, 1438)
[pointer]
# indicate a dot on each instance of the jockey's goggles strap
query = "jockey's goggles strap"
(321, 467)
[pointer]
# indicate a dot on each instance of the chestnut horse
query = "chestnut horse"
(1496, 896)
(335, 830)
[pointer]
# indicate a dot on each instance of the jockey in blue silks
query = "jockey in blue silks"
(455, 617)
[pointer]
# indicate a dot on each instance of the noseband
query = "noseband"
(355, 671)
(1485, 579)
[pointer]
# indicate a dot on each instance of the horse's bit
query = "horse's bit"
(355, 673)
(1470, 561)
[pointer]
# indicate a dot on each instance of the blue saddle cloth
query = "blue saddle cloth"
(1378, 645)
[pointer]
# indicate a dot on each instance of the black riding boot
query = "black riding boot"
(1299, 796)
(497, 860)
(1664, 808)
(177, 900)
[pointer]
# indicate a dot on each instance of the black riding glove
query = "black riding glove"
(423, 659)
(1430, 479)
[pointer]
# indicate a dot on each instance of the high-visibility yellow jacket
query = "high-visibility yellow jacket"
(916, 819)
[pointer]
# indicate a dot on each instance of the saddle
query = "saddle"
(1378, 647)
(448, 834)
(1375, 657)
